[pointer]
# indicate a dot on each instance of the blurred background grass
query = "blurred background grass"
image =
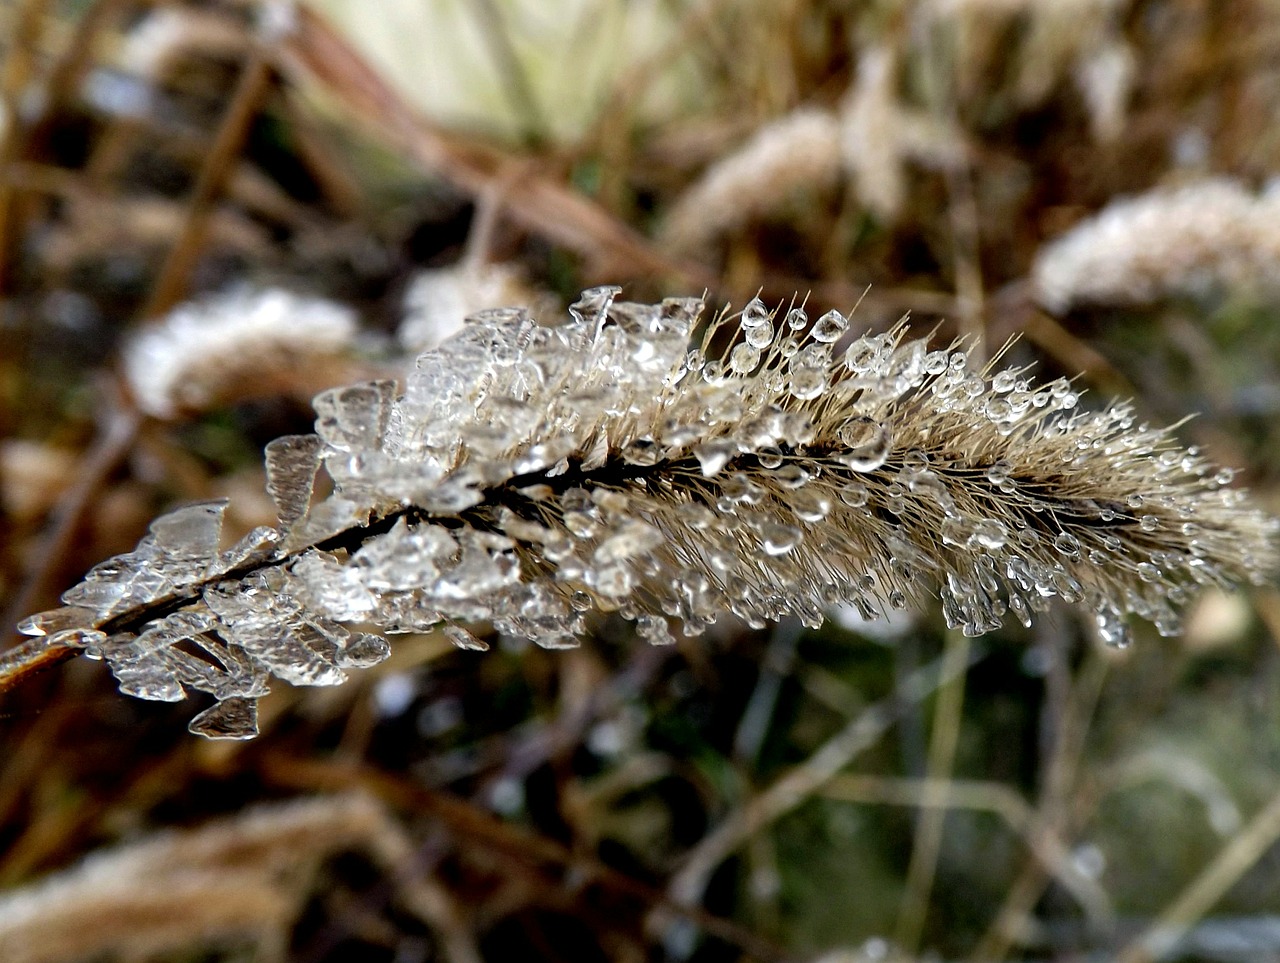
(772, 793)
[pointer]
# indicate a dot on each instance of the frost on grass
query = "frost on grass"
(637, 460)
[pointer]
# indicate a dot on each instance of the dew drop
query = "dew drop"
(1068, 545)
(797, 319)
(1134, 501)
(1003, 381)
(810, 505)
(780, 539)
(791, 476)
(755, 314)
(868, 443)
(760, 336)
(1148, 572)
(739, 487)
(744, 358)
(935, 362)
(1149, 523)
(830, 327)
(714, 455)
(769, 456)
(998, 409)
(641, 451)
(808, 383)
(914, 461)
(854, 494)
(990, 533)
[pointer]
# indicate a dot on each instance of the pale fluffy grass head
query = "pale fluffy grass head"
(247, 343)
(1188, 240)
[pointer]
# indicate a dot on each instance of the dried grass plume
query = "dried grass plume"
(643, 460)
(1187, 240)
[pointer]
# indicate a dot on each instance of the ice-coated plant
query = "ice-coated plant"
(642, 460)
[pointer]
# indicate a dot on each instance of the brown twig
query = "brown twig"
(542, 205)
(246, 100)
(928, 835)
(114, 442)
(1235, 859)
(798, 784)
(1052, 813)
(524, 848)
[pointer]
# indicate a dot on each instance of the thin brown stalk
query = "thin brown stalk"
(947, 717)
(116, 438)
(1236, 858)
(1052, 813)
(246, 100)
(800, 783)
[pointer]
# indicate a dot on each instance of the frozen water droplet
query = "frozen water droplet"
(1112, 628)
(1003, 381)
(654, 630)
(363, 650)
(854, 494)
(1067, 545)
(744, 358)
(187, 539)
(57, 620)
(779, 539)
(631, 538)
(791, 476)
(990, 533)
(808, 383)
(830, 327)
(614, 581)
(233, 718)
(867, 442)
(354, 418)
(641, 451)
(292, 463)
(797, 319)
(463, 638)
(761, 336)
(592, 307)
(755, 314)
(714, 455)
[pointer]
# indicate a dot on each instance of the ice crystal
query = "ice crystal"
(637, 460)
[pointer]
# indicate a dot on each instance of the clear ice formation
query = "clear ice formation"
(640, 460)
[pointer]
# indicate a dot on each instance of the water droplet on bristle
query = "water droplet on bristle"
(830, 327)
